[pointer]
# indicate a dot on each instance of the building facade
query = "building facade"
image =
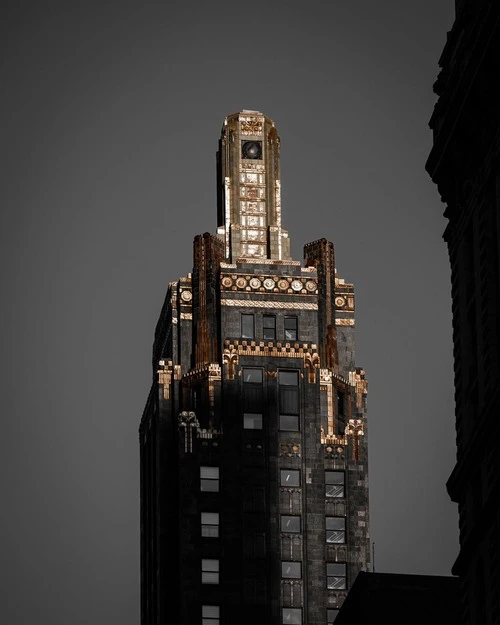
(253, 441)
(464, 163)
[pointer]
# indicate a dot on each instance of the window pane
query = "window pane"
(289, 423)
(291, 570)
(209, 486)
(211, 473)
(335, 523)
(290, 328)
(334, 483)
(289, 378)
(335, 529)
(253, 376)
(210, 565)
(210, 518)
(209, 578)
(293, 616)
(290, 523)
(210, 614)
(335, 568)
(210, 531)
(269, 321)
(252, 421)
(331, 616)
(247, 327)
(290, 477)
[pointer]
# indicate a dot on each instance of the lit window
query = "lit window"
(331, 615)
(290, 523)
(291, 570)
(336, 576)
(288, 382)
(210, 615)
(292, 616)
(247, 326)
(210, 524)
(290, 328)
(290, 477)
(335, 529)
(209, 479)
(210, 571)
(269, 327)
(335, 483)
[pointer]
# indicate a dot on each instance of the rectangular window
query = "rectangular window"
(290, 477)
(335, 529)
(335, 483)
(336, 576)
(209, 479)
(290, 523)
(253, 398)
(291, 570)
(291, 328)
(292, 616)
(210, 524)
(210, 615)
(209, 571)
(269, 327)
(331, 615)
(247, 326)
(288, 383)
(340, 403)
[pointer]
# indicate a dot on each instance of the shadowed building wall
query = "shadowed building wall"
(464, 163)
(254, 462)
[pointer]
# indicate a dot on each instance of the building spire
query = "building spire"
(249, 189)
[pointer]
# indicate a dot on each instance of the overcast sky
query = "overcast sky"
(111, 114)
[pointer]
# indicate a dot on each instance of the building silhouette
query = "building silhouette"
(253, 441)
(464, 163)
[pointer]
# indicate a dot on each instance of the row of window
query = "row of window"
(269, 327)
(334, 526)
(290, 616)
(334, 480)
(336, 576)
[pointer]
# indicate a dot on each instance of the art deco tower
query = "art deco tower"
(254, 482)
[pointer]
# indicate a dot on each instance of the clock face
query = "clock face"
(251, 149)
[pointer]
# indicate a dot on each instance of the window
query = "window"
(288, 382)
(290, 328)
(290, 523)
(247, 327)
(290, 477)
(210, 524)
(340, 403)
(292, 616)
(210, 615)
(253, 398)
(209, 479)
(331, 615)
(291, 570)
(335, 529)
(210, 571)
(269, 327)
(335, 483)
(336, 576)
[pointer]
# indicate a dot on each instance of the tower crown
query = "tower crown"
(249, 188)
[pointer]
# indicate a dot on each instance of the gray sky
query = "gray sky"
(111, 113)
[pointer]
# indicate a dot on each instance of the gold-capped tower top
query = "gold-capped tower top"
(249, 188)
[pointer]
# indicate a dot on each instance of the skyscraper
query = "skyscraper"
(254, 476)
(464, 163)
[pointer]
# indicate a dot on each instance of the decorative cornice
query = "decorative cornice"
(269, 304)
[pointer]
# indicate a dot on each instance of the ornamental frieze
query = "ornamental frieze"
(269, 284)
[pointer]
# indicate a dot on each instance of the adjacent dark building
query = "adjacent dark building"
(402, 599)
(464, 163)
(253, 446)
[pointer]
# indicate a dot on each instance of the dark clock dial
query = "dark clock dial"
(251, 149)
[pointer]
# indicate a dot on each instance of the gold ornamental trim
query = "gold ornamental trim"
(344, 322)
(269, 304)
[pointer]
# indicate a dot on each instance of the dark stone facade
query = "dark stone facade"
(254, 460)
(464, 163)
